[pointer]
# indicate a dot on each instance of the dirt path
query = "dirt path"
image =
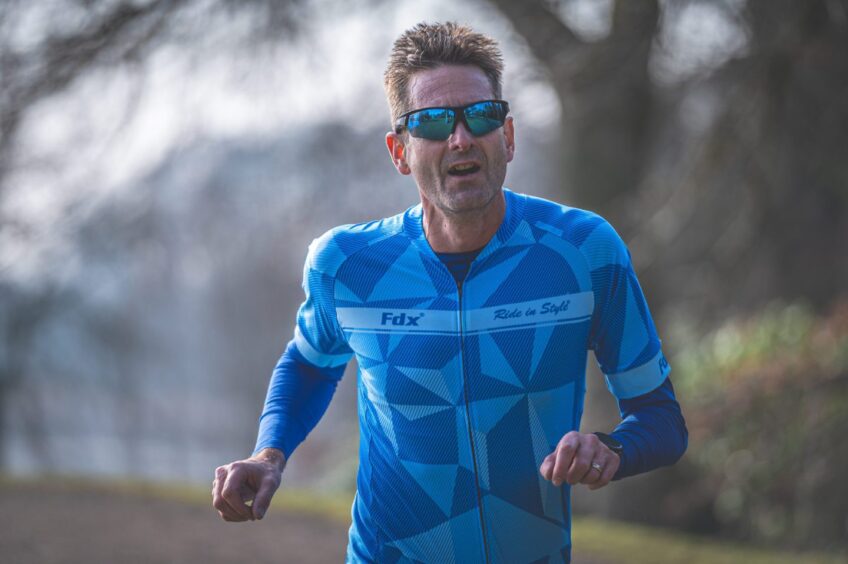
(43, 523)
(51, 525)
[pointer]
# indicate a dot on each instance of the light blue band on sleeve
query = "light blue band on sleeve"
(639, 380)
(316, 358)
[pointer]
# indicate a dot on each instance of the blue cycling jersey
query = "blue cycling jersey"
(462, 394)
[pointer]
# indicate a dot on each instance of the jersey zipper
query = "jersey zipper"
(468, 418)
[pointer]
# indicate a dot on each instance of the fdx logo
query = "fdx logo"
(390, 317)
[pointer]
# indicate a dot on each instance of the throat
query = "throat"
(451, 232)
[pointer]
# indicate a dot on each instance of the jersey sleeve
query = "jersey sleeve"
(317, 335)
(622, 335)
(298, 395)
(305, 378)
(652, 431)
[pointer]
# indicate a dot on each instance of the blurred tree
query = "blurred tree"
(768, 182)
(748, 206)
(727, 181)
(605, 91)
(45, 48)
(761, 197)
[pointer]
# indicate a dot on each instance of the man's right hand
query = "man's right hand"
(254, 479)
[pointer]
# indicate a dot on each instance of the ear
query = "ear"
(397, 151)
(509, 135)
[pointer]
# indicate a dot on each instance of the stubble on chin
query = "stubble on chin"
(468, 203)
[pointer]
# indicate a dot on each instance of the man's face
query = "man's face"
(434, 164)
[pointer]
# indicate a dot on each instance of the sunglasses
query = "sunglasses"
(439, 123)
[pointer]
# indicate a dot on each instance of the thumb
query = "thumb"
(263, 497)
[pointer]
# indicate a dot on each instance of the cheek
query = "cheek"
(424, 162)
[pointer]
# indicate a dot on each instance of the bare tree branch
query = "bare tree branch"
(119, 35)
(549, 38)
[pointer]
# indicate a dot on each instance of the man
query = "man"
(470, 316)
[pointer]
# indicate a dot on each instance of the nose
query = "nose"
(461, 138)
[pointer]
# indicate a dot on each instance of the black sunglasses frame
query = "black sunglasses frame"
(403, 119)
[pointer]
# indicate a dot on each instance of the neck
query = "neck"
(449, 232)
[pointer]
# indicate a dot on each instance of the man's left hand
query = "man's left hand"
(580, 458)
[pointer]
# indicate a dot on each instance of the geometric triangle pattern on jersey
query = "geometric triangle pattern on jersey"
(434, 543)
(362, 277)
(435, 380)
(522, 235)
(408, 268)
(413, 412)
(494, 364)
(539, 537)
(345, 294)
(516, 347)
(553, 370)
(464, 492)
(438, 480)
(541, 338)
(489, 412)
(400, 389)
(463, 440)
(373, 379)
(459, 404)
(468, 545)
(525, 277)
(482, 457)
(555, 410)
(436, 447)
(507, 444)
(367, 345)
(484, 286)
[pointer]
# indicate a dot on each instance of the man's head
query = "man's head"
(449, 66)
(427, 46)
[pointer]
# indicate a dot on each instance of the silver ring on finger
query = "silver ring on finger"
(598, 467)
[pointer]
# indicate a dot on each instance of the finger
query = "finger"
(217, 497)
(594, 474)
(610, 468)
(231, 519)
(547, 467)
(232, 492)
(263, 497)
(581, 464)
(566, 450)
(226, 512)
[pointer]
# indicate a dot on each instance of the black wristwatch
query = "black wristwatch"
(611, 443)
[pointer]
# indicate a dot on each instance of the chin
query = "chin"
(469, 200)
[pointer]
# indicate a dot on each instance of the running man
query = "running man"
(470, 316)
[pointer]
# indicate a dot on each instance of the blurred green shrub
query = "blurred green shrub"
(766, 403)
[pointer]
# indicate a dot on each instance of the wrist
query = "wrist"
(611, 443)
(272, 456)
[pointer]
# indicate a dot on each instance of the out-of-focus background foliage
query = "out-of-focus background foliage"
(165, 163)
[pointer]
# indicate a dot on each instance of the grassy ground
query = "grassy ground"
(596, 541)
(620, 542)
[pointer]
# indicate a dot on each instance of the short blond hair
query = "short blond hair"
(431, 45)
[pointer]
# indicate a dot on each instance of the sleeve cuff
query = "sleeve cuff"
(315, 357)
(639, 380)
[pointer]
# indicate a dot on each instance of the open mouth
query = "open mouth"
(463, 169)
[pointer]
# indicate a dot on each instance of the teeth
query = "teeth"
(462, 167)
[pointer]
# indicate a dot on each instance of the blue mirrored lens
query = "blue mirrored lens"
(484, 117)
(436, 123)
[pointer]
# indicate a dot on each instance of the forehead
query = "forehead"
(449, 85)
